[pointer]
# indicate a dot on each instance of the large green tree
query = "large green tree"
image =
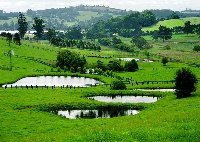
(51, 33)
(74, 33)
(164, 33)
(188, 28)
(38, 26)
(185, 82)
(70, 59)
(131, 66)
(23, 25)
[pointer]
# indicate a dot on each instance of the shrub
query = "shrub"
(196, 48)
(72, 70)
(118, 85)
(164, 61)
(185, 83)
(58, 69)
(79, 69)
(167, 47)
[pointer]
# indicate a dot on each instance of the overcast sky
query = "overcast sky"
(139, 5)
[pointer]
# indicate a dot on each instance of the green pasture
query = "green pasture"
(23, 112)
(173, 23)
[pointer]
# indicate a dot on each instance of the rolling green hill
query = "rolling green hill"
(173, 23)
(23, 116)
(61, 18)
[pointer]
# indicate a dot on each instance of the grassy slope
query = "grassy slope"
(173, 23)
(169, 119)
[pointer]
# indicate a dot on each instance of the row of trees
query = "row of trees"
(125, 25)
(64, 42)
(165, 33)
(9, 37)
(116, 65)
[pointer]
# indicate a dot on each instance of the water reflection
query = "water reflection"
(159, 90)
(55, 81)
(125, 99)
(89, 114)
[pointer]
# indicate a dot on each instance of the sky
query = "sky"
(135, 5)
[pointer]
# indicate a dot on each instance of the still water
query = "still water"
(90, 114)
(55, 80)
(125, 99)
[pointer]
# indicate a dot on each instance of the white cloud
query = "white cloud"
(23, 5)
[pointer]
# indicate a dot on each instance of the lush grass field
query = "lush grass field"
(173, 23)
(23, 116)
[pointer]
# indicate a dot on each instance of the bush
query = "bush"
(196, 48)
(164, 61)
(118, 85)
(72, 70)
(185, 82)
(167, 47)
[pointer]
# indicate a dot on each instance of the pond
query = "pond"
(89, 114)
(159, 90)
(125, 99)
(55, 81)
(129, 59)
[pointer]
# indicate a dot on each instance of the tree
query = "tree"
(16, 39)
(196, 48)
(185, 82)
(118, 85)
(100, 65)
(174, 15)
(164, 61)
(188, 28)
(115, 65)
(70, 59)
(51, 33)
(23, 25)
(38, 26)
(155, 35)
(9, 38)
(131, 66)
(140, 42)
(164, 33)
(74, 33)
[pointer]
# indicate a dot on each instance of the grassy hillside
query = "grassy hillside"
(23, 116)
(173, 23)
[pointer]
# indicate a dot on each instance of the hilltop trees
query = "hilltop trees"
(185, 82)
(23, 25)
(39, 27)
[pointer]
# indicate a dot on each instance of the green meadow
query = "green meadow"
(25, 113)
(173, 23)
